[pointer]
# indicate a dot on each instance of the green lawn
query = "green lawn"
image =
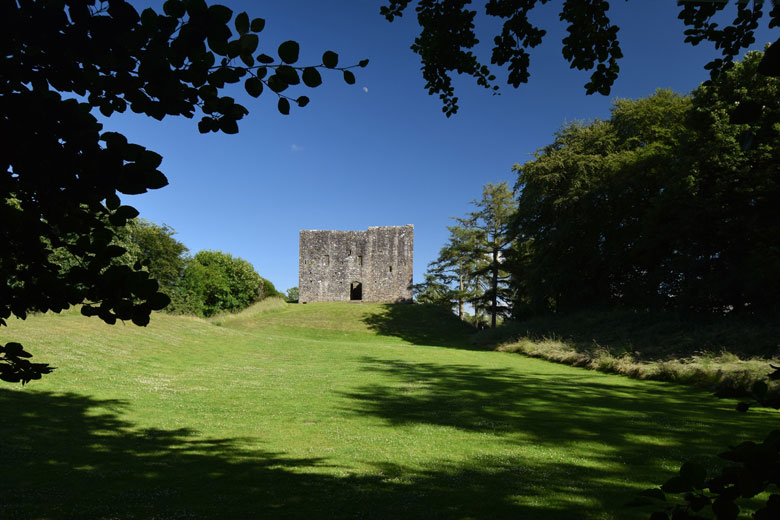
(333, 411)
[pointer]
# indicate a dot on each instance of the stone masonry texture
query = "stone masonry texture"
(370, 266)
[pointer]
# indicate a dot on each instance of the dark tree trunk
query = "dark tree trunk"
(460, 293)
(494, 288)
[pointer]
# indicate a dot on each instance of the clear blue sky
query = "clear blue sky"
(381, 152)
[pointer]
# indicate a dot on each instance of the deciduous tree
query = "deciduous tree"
(218, 282)
(448, 36)
(668, 204)
(162, 255)
(62, 173)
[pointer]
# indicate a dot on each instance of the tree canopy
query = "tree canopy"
(62, 174)
(667, 204)
(469, 268)
(162, 255)
(448, 36)
(219, 282)
(455, 277)
(491, 221)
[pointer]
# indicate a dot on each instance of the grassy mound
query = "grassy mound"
(727, 354)
(333, 411)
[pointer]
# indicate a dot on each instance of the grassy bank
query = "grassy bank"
(725, 354)
(334, 411)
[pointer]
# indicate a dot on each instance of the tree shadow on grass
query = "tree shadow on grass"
(74, 456)
(643, 428)
(545, 408)
(421, 324)
(648, 336)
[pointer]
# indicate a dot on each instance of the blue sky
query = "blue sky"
(381, 152)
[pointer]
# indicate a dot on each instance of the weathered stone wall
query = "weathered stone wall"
(380, 259)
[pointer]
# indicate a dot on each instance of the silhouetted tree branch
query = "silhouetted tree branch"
(62, 174)
(448, 36)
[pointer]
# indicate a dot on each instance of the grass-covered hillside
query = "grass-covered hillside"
(333, 411)
(727, 354)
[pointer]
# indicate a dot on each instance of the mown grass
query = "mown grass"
(334, 411)
(726, 354)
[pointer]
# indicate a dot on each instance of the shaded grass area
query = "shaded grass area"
(650, 336)
(421, 324)
(102, 466)
(262, 417)
(727, 354)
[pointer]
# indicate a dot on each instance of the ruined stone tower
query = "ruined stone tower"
(370, 266)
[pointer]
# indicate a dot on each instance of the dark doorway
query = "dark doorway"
(356, 291)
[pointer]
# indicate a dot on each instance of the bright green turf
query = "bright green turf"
(333, 411)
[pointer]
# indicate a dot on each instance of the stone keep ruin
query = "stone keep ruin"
(370, 266)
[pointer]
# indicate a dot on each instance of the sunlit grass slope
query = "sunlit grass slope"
(333, 411)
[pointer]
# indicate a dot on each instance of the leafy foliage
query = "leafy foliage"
(472, 260)
(433, 291)
(62, 173)
(492, 222)
(665, 205)
(15, 367)
(448, 35)
(267, 289)
(456, 264)
(292, 295)
(163, 256)
(217, 282)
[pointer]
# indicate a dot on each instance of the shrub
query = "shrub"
(215, 282)
(267, 289)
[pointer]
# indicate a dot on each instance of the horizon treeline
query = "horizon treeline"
(673, 203)
(203, 284)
